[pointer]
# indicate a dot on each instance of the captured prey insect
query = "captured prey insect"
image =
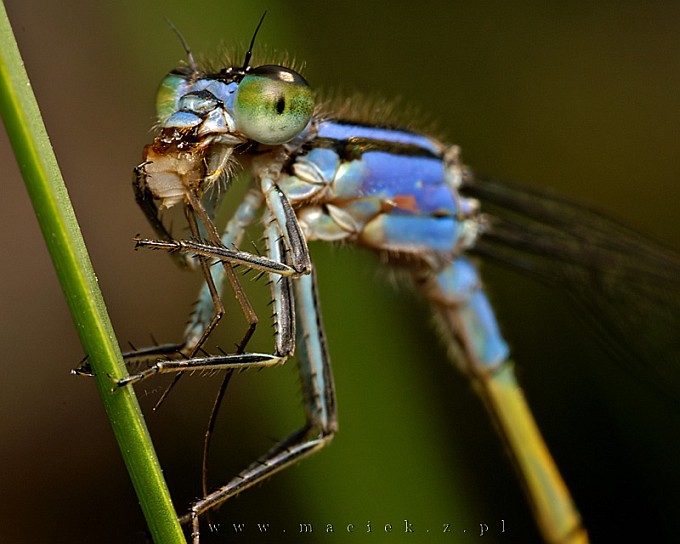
(320, 176)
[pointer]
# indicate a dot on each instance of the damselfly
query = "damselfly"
(320, 175)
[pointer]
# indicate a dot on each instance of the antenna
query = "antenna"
(185, 45)
(249, 53)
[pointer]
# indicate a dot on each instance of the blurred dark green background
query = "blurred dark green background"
(581, 97)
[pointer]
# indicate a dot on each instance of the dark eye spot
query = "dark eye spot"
(280, 105)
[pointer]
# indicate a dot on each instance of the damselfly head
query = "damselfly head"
(269, 104)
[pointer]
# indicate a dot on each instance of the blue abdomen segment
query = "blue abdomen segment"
(457, 293)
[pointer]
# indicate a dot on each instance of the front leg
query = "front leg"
(288, 223)
(284, 316)
(320, 410)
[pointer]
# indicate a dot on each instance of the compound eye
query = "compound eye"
(273, 104)
(172, 88)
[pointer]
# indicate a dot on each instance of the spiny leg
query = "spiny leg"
(211, 427)
(204, 262)
(243, 215)
(319, 397)
(197, 207)
(281, 219)
(269, 170)
(194, 208)
(286, 245)
(147, 202)
(203, 315)
(234, 231)
(284, 321)
(220, 253)
(282, 227)
(233, 234)
(283, 216)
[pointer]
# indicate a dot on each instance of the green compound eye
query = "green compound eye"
(171, 89)
(273, 104)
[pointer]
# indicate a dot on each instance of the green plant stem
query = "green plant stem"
(57, 220)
